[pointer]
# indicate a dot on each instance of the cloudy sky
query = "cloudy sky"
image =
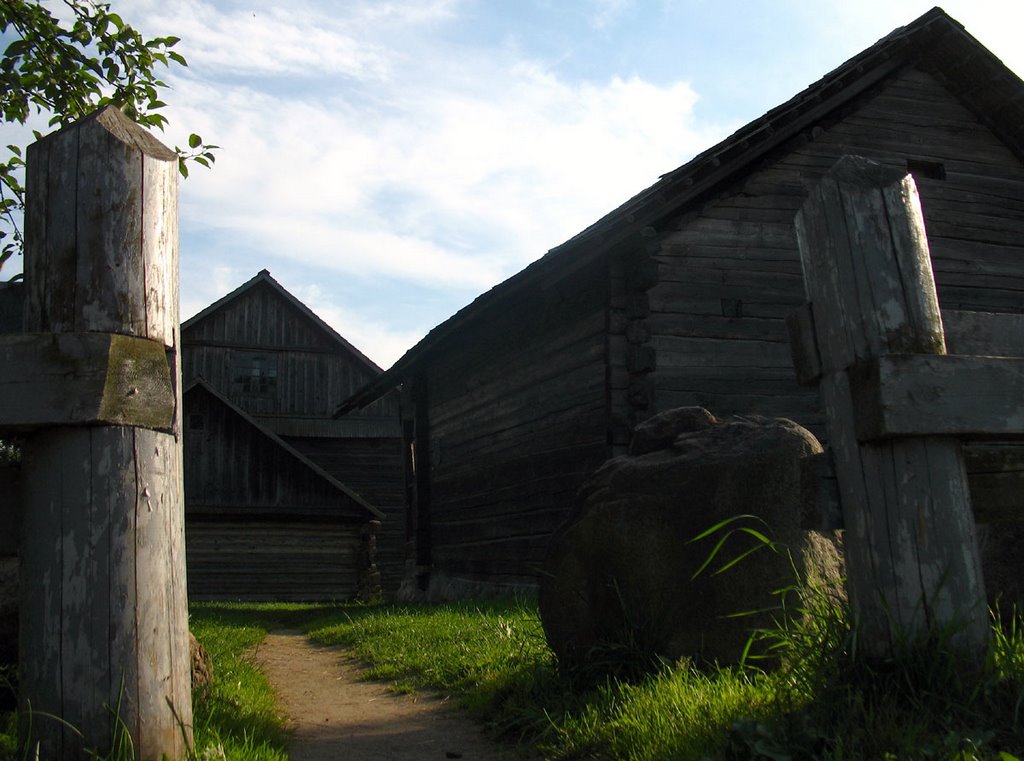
(390, 160)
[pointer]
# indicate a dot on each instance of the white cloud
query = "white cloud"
(441, 166)
(446, 180)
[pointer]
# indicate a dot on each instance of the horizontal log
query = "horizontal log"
(932, 394)
(57, 379)
(985, 333)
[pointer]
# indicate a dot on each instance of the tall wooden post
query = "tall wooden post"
(104, 628)
(910, 544)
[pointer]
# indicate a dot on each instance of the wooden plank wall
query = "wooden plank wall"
(730, 272)
(228, 462)
(517, 420)
(373, 469)
(271, 560)
(313, 373)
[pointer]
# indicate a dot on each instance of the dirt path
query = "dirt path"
(335, 717)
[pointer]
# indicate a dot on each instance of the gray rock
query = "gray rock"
(620, 582)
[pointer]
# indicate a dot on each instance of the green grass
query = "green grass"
(825, 702)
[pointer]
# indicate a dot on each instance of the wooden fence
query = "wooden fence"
(899, 407)
(95, 385)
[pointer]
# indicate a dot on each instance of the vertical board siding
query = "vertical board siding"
(314, 374)
(730, 273)
(229, 462)
(518, 417)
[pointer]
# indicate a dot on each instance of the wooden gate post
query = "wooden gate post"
(104, 623)
(911, 549)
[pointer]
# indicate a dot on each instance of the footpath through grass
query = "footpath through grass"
(826, 702)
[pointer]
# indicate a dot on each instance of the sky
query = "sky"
(390, 160)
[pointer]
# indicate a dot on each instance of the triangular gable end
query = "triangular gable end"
(206, 325)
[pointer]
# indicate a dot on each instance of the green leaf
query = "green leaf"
(16, 48)
(177, 57)
(194, 141)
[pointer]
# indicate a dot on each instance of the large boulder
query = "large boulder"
(622, 581)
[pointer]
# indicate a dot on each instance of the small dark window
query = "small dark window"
(926, 170)
(254, 373)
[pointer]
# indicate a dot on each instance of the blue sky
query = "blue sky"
(390, 160)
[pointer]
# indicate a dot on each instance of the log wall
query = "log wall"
(371, 467)
(517, 418)
(271, 560)
(729, 272)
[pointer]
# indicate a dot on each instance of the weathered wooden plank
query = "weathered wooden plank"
(911, 548)
(42, 620)
(987, 333)
(51, 379)
(938, 395)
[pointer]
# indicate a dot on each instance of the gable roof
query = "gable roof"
(263, 278)
(934, 42)
(199, 383)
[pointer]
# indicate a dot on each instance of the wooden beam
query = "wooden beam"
(938, 395)
(56, 379)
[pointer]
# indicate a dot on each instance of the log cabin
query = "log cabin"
(281, 498)
(680, 296)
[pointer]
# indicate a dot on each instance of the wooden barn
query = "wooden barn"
(679, 297)
(279, 495)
